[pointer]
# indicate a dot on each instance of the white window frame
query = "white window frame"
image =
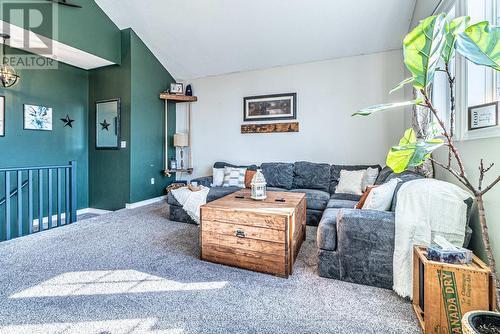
(463, 133)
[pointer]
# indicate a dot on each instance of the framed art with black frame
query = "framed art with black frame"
(270, 107)
(483, 116)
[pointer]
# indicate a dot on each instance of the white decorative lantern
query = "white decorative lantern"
(259, 186)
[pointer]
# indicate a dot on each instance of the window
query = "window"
(476, 84)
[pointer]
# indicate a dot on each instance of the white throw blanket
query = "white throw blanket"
(191, 201)
(425, 208)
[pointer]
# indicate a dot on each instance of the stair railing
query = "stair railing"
(56, 205)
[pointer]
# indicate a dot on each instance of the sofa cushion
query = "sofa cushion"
(316, 199)
(221, 164)
(327, 230)
(213, 194)
(404, 177)
(276, 189)
(335, 173)
(171, 199)
(278, 174)
(219, 192)
(309, 175)
(382, 175)
(341, 203)
(348, 197)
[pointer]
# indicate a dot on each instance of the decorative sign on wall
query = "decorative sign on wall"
(270, 107)
(37, 118)
(2, 116)
(270, 128)
(67, 121)
(483, 116)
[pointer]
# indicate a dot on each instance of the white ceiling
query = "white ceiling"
(197, 38)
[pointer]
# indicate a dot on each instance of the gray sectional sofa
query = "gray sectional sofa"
(316, 180)
(353, 245)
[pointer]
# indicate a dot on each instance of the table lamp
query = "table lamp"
(181, 140)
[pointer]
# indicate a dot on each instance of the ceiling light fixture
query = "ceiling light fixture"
(8, 75)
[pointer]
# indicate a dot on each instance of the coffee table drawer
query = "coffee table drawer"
(243, 231)
(252, 218)
(246, 259)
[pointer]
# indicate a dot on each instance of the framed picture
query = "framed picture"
(2, 116)
(270, 107)
(176, 88)
(107, 125)
(37, 118)
(483, 116)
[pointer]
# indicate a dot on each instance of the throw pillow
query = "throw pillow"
(218, 177)
(370, 177)
(234, 177)
(363, 198)
(248, 178)
(351, 182)
(380, 198)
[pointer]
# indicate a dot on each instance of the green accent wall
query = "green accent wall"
(124, 176)
(109, 183)
(149, 79)
(66, 91)
(88, 28)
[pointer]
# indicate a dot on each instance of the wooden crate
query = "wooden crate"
(443, 293)
(262, 236)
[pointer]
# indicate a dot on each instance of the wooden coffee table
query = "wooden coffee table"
(263, 236)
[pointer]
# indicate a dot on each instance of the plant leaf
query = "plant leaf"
(422, 49)
(381, 107)
(401, 84)
(457, 26)
(410, 152)
(408, 138)
(480, 43)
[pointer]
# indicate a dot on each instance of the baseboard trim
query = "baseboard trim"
(93, 211)
(145, 202)
(78, 212)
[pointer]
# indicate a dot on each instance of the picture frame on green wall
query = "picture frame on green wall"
(2, 116)
(108, 113)
(38, 118)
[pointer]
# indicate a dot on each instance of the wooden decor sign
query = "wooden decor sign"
(270, 128)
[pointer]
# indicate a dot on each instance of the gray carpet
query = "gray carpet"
(134, 271)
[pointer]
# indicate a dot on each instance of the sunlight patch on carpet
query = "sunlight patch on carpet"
(88, 283)
(125, 326)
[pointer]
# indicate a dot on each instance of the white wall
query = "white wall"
(328, 93)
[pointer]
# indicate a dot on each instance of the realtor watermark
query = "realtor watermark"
(32, 26)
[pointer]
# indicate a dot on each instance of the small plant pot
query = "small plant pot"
(481, 322)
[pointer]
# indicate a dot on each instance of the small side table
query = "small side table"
(443, 293)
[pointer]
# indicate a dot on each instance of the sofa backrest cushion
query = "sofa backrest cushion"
(221, 164)
(382, 175)
(278, 174)
(309, 175)
(335, 173)
(404, 177)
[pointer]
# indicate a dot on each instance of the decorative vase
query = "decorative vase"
(259, 192)
(479, 322)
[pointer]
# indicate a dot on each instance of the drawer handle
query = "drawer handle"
(240, 233)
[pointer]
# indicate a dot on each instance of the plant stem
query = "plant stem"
(463, 176)
(487, 247)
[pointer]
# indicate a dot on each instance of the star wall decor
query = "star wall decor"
(105, 125)
(68, 121)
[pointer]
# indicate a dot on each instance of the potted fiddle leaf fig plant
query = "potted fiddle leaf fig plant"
(432, 44)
